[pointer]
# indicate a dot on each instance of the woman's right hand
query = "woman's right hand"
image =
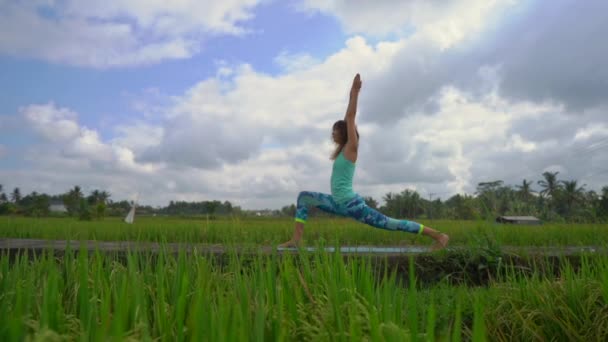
(356, 85)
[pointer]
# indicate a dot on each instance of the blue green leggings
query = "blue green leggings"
(354, 208)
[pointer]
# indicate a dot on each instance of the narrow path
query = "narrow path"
(38, 245)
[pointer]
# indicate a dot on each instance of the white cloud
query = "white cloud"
(261, 157)
(591, 130)
(138, 136)
(106, 34)
(521, 56)
(518, 144)
(434, 117)
(210, 143)
(227, 118)
(295, 62)
(65, 140)
(257, 140)
(54, 124)
(170, 18)
(445, 23)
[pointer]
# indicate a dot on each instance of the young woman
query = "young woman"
(343, 200)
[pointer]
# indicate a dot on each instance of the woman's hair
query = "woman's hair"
(341, 128)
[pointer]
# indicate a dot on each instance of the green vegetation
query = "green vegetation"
(318, 296)
(268, 231)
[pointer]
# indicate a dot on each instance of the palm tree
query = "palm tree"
(71, 200)
(409, 203)
(391, 207)
(104, 196)
(603, 203)
(76, 192)
(98, 196)
(488, 197)
(550, 184)
(98, 199)
(370, 201)
(525, 191)
(571, 194)
(16, 196)
(94, 197)
(524, 194)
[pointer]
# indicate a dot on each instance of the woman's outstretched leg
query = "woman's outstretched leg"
(360, 211)
(308, 199)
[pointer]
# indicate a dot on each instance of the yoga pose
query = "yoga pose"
(343, 200)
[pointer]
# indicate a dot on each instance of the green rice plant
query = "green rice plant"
(568, 307)
(479, 327)
(412, 304)
(269, 231)
(431, 318)
(305, 296)
(457, 325)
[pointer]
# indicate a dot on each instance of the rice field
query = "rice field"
(272, 231)
(306, 296)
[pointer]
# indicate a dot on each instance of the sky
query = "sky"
(234, 100)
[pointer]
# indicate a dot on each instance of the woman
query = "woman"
(343, 200)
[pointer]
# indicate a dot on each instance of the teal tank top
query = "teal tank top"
(342, 179)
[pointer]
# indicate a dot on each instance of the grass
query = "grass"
(317, 296)
(267, 231)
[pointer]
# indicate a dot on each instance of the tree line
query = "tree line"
(556, 201)
(98, 204)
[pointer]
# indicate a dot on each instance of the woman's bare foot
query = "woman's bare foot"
(441, 239)
(441, 242)
(297, 237)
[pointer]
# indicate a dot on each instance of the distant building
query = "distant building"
(518, 220)
(57, 207)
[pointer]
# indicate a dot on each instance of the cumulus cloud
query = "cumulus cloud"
(472, 139)
(66, 153)
(229, 137)
(536, 52)
(444, 23)
(232, 116)
(138, 136)
(106, 34)
(442, 108)
(294, 62)
(436, 40)
(65, 140)
(52, 123)
(553, 52)
(239, 135)
(204, 142)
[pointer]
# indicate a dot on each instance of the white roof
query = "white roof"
(521, 218)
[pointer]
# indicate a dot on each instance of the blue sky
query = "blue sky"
(108, 93)
(235, 100)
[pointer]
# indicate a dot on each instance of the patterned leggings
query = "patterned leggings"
(354, 208)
